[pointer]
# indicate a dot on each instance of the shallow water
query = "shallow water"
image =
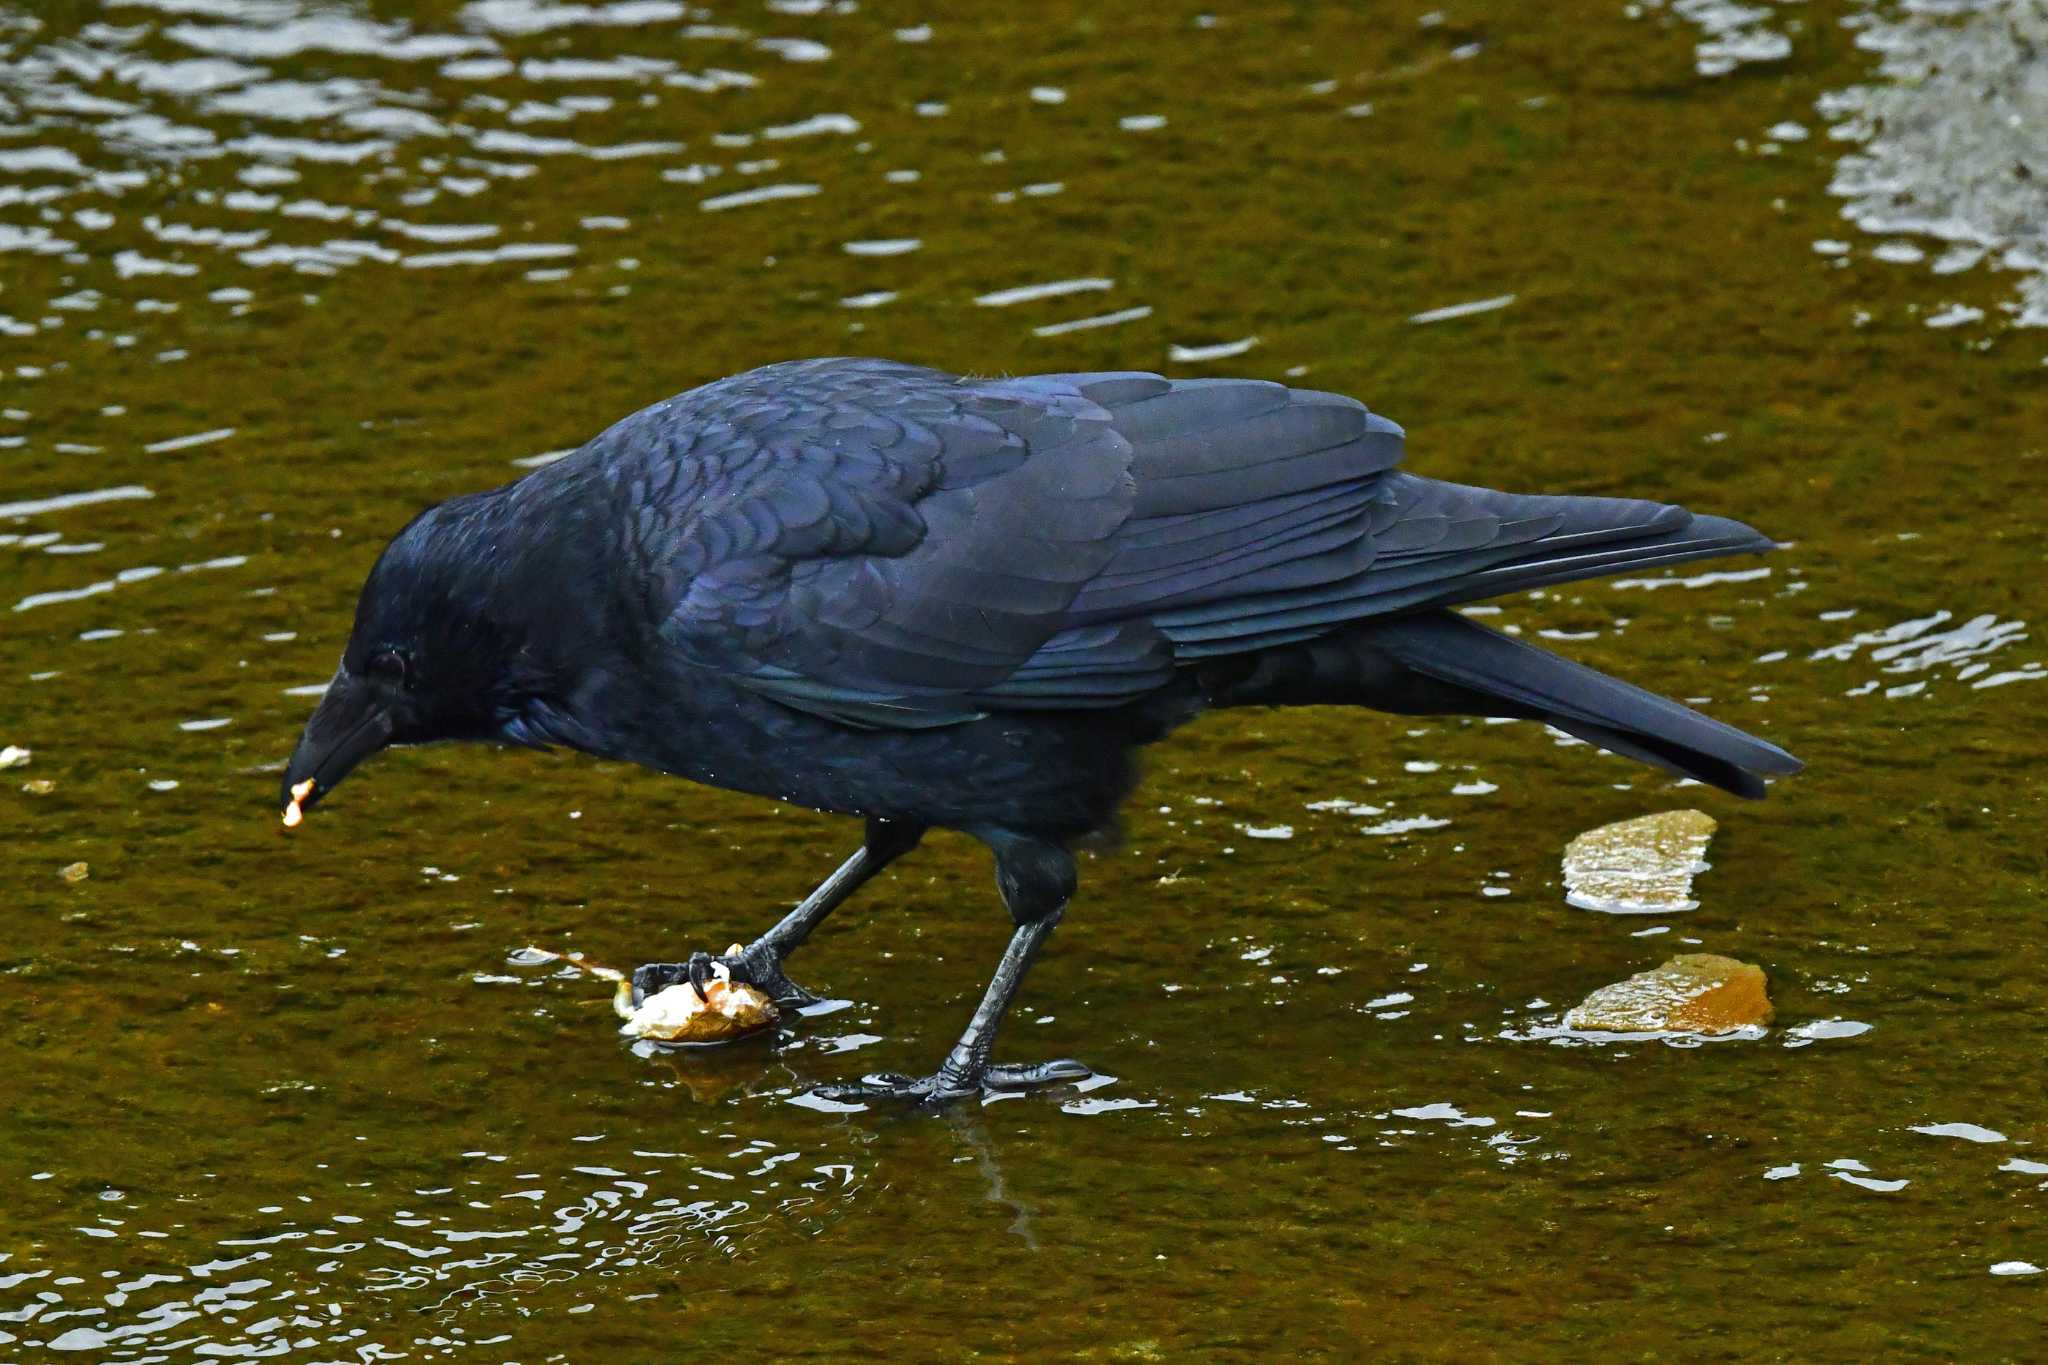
(275, 273)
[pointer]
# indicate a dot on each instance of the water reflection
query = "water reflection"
(419, 116)
(1917, 646)
(1946, 140)
(1944, 136)
(502, 1227)
(1733, 35)
(64, 502)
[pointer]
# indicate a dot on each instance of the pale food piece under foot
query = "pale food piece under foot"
(727, 1010)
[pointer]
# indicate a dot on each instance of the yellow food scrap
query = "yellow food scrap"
(75, 872)
(1643, 866)
(292, 813)
(1692, 993)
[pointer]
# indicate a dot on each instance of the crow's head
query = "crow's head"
(446, 645)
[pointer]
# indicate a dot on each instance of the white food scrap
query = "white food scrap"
(727, 1010)
(293, 813)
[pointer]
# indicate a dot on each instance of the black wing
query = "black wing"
(873, 541)
(897, 546)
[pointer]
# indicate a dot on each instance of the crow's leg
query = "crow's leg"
(759, 964)
(1036, 878)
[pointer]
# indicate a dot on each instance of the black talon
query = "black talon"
(652, 978)
(701, 974)
(934, 1092)
(1032, 1076)
(761, 970)
(918, 1092)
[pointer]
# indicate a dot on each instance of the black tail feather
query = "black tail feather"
(1582, 701)
(1563, 559)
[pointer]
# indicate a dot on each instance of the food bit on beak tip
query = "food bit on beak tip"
(292, 813)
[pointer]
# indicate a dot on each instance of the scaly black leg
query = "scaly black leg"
(1036, 878)
(759, 964)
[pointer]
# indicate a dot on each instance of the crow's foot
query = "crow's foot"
(947, 1085)
(757, 966)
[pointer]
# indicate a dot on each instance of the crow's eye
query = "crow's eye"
(387, 664)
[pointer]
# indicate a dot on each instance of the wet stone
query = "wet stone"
(1643, 866)
(1700, 993)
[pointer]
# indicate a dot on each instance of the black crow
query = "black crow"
(926, 600)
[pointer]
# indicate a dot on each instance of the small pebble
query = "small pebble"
(1643, 866)
(1692, 993)
(39, 786)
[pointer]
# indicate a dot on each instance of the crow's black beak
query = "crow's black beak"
(350, 724)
